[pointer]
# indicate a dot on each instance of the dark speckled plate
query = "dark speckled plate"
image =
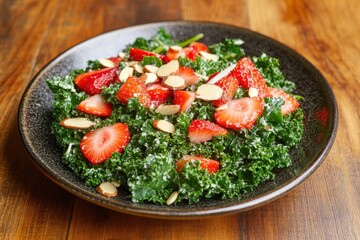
(320, 110)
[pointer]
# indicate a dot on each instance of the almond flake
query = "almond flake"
(176, 48)
(222, 74)
(76, 123)
(107, 189)
(122, 54)
(253, 92)
(172, 198)
(150, 78)
(175, 82)
(167, 109)
(151, 68)
(131, 63)
(138, 68)
(126, 73)
(209, 56)
(209, 92)
(164, 126)
(116, 184)
(222, 107)
(107, 63)
(202, 76)
(167, 69)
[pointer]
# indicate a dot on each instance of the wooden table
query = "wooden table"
(325, 206)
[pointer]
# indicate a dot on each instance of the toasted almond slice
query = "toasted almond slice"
(209, 56)
(164, 126)
(176, 48)
(209, 92)
(76, 123)
(167, 109)
(202, 76)
(116, 184)
(138, 68)
(238, 41)
(107, 189)
(122, 54)
(175, 82)
(222, 74)
(167, 69)
(150, 78)
(222, 107)
(131, 63)
(106, 63)
(172, 198)
(151, 68)
(126, 73)
(253, 92)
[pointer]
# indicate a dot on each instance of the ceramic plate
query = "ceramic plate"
(319, 107)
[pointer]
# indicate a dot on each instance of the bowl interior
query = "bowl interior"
(35, 112)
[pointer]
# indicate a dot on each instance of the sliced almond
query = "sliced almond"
(148, 78)
(126, 73)
(107, 189)
(172, 198)
(176, 48)
(209, 56)
(131, 63)
(106, 63)
(209, 92)
(77, 123)
(222, 107)
(167, 69)
(138, 68)
(116, 184)
(222, 74)
(253, 92)
(202, 76)
(167, 109)
(175, 82)
(151, 68)
(164, 126)
(122, 54)
(238, 41)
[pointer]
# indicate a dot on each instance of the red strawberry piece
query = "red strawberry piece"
(115, 60)
(210, 165)
(188, 74)
(133, 87)
(98, 145)
(240, 113)
(199, 46)
(158, 94)
(249, 76)
(230, 85)
(92, 82)
(173, 55)
(95, 105)
(184, 99)
(191, 52)
(290, 105)
(203, 131)
(136, 54)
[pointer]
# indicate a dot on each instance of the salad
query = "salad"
(172, 121)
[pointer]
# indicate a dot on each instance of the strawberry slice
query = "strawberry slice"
(241, 113)
(199, 46)
(184, 99)
(230, 85)
(99, 144)
(133, 87)
(210, 165)
(173, 55)
(188, 74)
(136, 54)
(158, 94)
(203, 131)
(290, 105)
(248, 76)
(95, 105)
(92, 82)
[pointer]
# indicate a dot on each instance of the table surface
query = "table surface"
(325, 206)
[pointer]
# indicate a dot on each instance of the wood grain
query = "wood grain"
(325, 206)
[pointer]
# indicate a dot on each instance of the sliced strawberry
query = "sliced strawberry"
(249, 76)
(115, 60)
(203, 131)
(133, 87)
(210, 165)
(199, 46)
(173, 55)
(191, 52)
(241, 113)
(136, 54)
(188, 74)
(99, 144)
(95, 105)
(290, 105)
(184, 99)
(158, 94)
(230, 85)
(92, 82)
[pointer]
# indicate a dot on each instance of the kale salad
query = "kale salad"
(172, 121)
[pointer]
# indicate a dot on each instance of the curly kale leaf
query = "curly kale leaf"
(228, 50)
